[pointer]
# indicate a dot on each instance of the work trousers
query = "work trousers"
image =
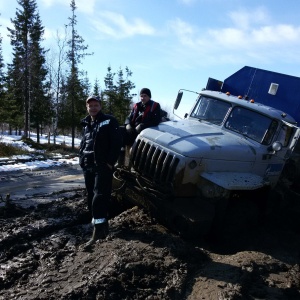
(98, 182)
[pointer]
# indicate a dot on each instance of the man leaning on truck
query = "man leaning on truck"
(145, 113)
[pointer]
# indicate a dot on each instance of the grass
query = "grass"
(9, 150)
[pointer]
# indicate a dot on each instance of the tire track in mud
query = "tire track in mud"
(41, 256)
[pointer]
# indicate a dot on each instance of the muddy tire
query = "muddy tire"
(242, 212)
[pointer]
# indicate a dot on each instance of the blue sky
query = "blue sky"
(173, 44)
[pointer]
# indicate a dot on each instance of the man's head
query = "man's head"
(145, 95)
(93, 105)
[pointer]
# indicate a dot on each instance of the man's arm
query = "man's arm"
(133, 114)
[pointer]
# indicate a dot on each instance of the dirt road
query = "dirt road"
(28, 188)
(41, 257)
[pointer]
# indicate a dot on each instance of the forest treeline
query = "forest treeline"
(43, 89)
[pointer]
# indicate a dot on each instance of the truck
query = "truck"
(212, 167)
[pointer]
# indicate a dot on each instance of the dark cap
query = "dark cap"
(145, 91)
(93, 97)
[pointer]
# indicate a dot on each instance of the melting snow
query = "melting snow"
(34, 161)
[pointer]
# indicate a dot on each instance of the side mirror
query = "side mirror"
(275, 147)
(178, 99)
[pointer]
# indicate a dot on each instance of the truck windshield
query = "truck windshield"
(211, 110)
(251, 124)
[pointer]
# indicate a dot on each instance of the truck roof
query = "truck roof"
(264, 109)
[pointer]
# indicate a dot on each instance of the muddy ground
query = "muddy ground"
(41, 255)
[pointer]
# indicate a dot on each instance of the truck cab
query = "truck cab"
(225, 146)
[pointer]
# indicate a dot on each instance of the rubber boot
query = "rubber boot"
(100, 232)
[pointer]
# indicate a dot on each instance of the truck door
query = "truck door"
(287, 138)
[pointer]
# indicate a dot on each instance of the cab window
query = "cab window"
(285, 134)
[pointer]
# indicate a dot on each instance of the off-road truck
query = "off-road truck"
(225, 152)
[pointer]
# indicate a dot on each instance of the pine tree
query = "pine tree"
(124, 96)
(109, 93)
(97, 88)
(41, 109)
(3, 103)
(86, 84)
(27, 73)
(75, 88)
(118, 97)
(9, 109)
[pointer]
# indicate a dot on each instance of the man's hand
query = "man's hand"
(129, 128)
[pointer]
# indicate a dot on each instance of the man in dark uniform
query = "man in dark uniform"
(99, 150)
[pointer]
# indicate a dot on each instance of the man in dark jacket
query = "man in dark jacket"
(99, 150)
(144, 114)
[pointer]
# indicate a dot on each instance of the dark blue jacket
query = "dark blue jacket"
(148, 115)
(101, 141)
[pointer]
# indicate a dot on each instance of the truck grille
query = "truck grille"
(154, 163)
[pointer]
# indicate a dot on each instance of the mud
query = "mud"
(41, 255)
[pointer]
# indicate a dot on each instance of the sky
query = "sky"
(173, 44)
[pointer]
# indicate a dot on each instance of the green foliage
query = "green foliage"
(97, 88)
(2, 82)
(117, 95)
(49, 148)
(10, 109)
(9, 150)
(27, 73)
(32, 143)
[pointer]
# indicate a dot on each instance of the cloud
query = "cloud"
(276, 34)
(85, 6)
(49, 3)
(280, 35)
(244, 18)
(187, 2)
(185, 32)
(115, 25)
(246, 38)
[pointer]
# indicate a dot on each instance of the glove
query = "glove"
(129, 128)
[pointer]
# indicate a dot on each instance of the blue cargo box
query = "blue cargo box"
(277, 90)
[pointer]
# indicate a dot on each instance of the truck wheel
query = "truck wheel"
(240, 216)
(243, 211)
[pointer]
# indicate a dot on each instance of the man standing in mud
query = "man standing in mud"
(99, 150)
